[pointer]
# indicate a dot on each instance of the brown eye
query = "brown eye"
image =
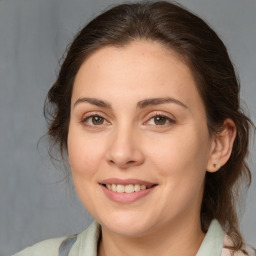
(94, 120)
(97, 120)
(160, 120)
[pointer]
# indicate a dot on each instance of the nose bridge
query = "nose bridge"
(124, 149)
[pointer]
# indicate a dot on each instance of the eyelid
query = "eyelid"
(88, 115)
(148, 117)
(168, 116)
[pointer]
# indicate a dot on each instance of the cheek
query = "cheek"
(84, 154)
(181, 154)
(181, 163)
(84, 159)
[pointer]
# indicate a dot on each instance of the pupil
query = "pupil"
(160, 120)
(97, 120)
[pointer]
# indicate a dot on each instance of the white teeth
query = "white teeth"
(129, 188)
(137, 187)
(126, 188)
(120, 188)
(113, 187)
(143, 187)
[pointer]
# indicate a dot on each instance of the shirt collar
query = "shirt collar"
(213, 241)
(87, 241)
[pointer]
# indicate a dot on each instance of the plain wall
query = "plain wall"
(33, 37)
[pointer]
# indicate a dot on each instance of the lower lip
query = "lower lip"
(126, 198)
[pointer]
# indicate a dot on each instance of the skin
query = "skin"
(129, 143)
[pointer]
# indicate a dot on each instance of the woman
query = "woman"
(146, 109)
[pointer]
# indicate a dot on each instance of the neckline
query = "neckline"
(88, 241)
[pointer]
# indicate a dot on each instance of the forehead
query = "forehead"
(147, 53)
(134, 55)
(140, 68)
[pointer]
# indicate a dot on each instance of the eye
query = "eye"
(160, 120)
(94, 120)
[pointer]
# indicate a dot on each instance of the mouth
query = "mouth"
(129, 188)
(126, 191)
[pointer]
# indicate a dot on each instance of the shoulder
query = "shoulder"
(247, 249)
(87, 240)
(48, 247)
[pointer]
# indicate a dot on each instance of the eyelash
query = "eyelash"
(167, 118)
(85, 119)
(170, 121)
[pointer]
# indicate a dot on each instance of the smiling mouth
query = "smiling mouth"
(131, 188)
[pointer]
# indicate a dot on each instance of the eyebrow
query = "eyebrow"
(158, 101)
(94, 101)
(141, 104)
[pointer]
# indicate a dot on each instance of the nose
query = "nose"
(124, 149)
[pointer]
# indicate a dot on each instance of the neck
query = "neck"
(177, 238)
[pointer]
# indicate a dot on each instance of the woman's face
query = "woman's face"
(138, 141)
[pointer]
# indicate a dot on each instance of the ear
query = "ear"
(222, 144)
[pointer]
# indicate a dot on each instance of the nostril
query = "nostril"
(111, 162)
(130, 162)
(124, 164)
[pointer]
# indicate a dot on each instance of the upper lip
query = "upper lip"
(126, 181)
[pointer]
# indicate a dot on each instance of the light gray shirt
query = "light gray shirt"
(87, 241)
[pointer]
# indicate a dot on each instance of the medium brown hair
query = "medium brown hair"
(177, 29)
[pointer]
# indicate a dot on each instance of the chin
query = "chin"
(131, 230)
(127, 225)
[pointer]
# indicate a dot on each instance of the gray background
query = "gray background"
(33, 36)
